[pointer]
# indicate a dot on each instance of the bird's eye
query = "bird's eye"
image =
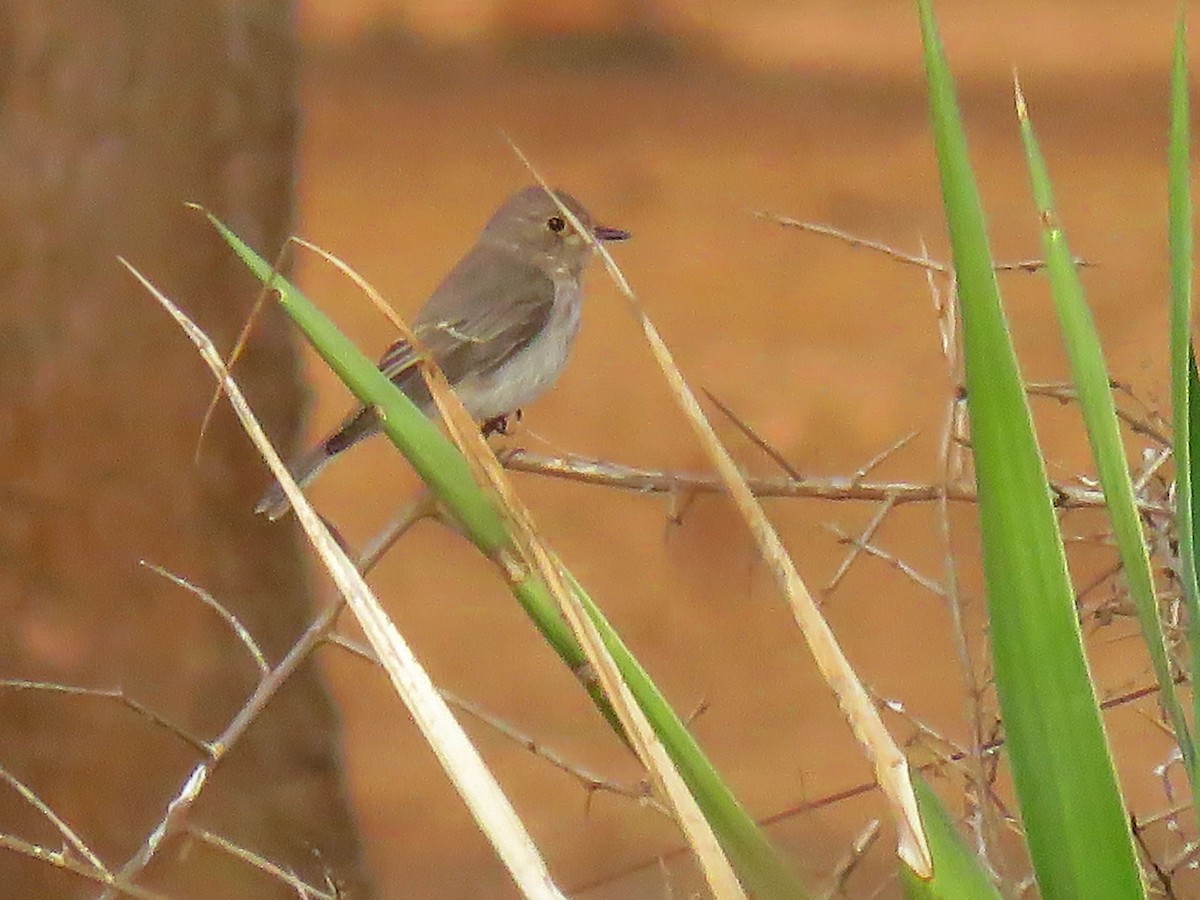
(556, 223)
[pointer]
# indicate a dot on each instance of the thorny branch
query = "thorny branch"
(644, 480)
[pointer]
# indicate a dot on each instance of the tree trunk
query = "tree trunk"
(113, 113)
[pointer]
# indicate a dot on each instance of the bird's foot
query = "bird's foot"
(500, 424)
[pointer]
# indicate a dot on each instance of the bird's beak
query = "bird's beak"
(605, 233)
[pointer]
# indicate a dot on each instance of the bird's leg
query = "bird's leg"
(495, 425)
(499, 424)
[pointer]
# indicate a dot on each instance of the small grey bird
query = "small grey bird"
(499, 325)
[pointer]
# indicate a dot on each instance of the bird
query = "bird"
(500, 325)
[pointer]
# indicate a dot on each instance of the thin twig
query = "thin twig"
(875, 461)
(1064, 393)
(60, 859)
(924, 261)
(302, 887)
(68, 834)
(409, 515)
(1153, 464)
(1168, 815)
(590, 781)
(850, 861)
(895, 562)
(235, 625)
(754, 437)
(117, 694)
(952, 461)
(174, 820)
(855, 546)
(1163, 877)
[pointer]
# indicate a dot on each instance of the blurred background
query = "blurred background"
(678, 121)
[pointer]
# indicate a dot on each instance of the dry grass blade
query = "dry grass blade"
(889, 763)
(535, 556)
(238, 346)
(457, 755)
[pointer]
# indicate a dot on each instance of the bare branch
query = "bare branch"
(117, 694)
(856, 545)
(68, 834)
(60, 860)
(895, 562)
(590, 781)
(240, 631)
(174, 820)
(849, 862)
(1064, 393)
(923, 261)
(877, 460)
(643, 480)
(425, 505)
(302, 888)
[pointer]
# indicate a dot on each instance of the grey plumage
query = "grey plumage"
(500, 324)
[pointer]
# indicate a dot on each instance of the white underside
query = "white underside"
(532, 371)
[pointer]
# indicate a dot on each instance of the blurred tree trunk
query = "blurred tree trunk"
(112, 114)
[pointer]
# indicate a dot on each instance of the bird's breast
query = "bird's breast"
(533, 369)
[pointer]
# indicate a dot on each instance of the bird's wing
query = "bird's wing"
(487, 309)
(510, 304)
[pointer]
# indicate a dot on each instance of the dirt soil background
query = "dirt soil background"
(831, 352)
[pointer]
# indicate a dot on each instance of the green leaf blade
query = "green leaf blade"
(1065, 783)
(957, 873)
(1091, 378)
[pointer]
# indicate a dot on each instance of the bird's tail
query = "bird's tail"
(274, 503)
(361, 423)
